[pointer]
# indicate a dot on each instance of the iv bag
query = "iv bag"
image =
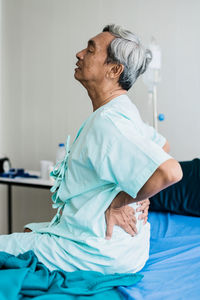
(153, 75)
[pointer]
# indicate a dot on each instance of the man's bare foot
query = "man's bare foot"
(27, 230)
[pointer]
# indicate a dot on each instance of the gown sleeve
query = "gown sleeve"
(131, 158)
(153, 135)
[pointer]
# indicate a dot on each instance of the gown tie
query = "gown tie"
(58, 174)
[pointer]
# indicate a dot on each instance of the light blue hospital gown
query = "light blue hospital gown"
(114, 151)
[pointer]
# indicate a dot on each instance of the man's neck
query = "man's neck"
(100, 98)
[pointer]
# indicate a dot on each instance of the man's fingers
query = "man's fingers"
(109, 230)
(129, 230)
(143, 215)
(130, 217)
(134, 228)
(143, 206)
(129, 210)
(123, 217)
(145, 219)
(130, 226)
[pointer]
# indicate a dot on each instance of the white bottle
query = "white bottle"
(60, 154)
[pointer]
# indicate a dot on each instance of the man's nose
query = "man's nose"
(80, 54)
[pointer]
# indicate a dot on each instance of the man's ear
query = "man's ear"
(116, 70)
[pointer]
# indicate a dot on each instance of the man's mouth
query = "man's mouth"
(77, 64)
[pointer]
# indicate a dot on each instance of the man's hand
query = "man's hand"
(144, 207)
(122, 215)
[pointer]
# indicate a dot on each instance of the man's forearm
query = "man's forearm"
(166, 147)
(158, 182)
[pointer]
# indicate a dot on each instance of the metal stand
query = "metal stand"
(153, 99)
(9, 208)
(35, 183)
(155, 112)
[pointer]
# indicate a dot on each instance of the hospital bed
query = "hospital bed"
(173, 269)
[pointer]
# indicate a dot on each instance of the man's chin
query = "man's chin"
(76, 76)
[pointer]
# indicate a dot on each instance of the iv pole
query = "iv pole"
(153, 99)
(151, 78)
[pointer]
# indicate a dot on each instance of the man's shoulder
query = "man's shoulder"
(117, 118)
(119, 108)
(119, 115)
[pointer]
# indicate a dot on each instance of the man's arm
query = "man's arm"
(144, 204)
(166, 174)
(166, 147)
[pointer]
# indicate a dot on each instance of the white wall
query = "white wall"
(42, 102)
(3, 204)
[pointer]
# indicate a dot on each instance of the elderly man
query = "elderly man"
(114, 162)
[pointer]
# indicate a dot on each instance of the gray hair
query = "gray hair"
(126, 49)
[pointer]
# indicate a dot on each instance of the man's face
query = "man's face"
(91, 67)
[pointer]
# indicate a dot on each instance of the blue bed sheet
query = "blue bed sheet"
(173, 269)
